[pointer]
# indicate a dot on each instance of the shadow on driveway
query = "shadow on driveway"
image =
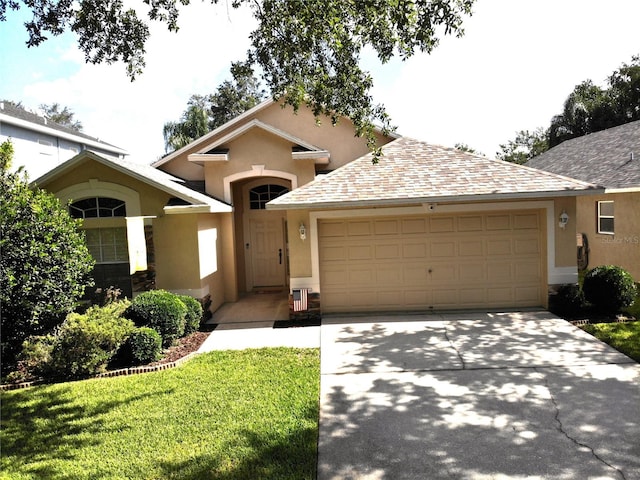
(521, 395)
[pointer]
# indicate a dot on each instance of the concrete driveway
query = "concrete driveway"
(475, 396)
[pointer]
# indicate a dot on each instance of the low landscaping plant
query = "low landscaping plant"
(144, 345)
(194, 314)
(609, 288)
(161, 310)
(85, 343)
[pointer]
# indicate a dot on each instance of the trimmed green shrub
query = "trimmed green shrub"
(85, 343)
(144, 345)
(568, 301)
(34, 360)
(161, 310)
(194, 314)
(609, 288)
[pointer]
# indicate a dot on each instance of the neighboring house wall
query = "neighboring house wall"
(39, 148)
(621, 248)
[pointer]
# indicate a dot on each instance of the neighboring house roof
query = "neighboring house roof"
(145, 173)
(610, 158)
(18, 116)
(411, 171)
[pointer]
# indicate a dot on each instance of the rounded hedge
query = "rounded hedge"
(144, 345)
(194, 314)
(161, 310)
(609, 288)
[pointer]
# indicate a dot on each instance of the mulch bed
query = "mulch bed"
(185, 346)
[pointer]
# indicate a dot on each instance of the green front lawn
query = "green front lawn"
(624, 337)
(223, 415)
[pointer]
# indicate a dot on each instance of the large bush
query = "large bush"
(194, 314)
(85, 343)
(609, 288)
(161, 310)
(45, 264)
(81, 347)
(144, 345)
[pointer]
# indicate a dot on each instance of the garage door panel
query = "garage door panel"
(471, 248)
(443, 249)
(386, 227)
(499, 246)
(526, 246)
(359, 228)
(470, 223)
(414, 226)
(498, 222)
(414, 251)
(360, 252)
(388, 251)
(472, 272)
(440, 225)
(476, 260)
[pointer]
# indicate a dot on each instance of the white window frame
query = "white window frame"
(601, 217)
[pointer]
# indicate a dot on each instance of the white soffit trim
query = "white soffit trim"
(622, 190)
(321, 157)
(202, 158)
(184, 209)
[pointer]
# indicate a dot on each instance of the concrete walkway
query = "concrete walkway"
(475, 396)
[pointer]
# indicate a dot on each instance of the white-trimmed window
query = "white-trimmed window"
(605, 217)
(259, 196)
(108, 245)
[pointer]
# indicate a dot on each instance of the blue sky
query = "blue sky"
(511, 71)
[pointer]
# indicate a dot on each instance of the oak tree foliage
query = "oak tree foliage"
(308, 51)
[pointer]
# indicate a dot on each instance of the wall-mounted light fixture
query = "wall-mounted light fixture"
(303, 231)
(564, 219)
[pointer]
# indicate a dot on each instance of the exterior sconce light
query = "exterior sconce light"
(303, 231)
(564, 219)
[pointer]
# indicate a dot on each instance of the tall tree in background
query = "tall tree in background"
(524, 147)
(588, 109)
(207, 112)
(309, 51)
(61, 115)
(193, 124)
(235, 96)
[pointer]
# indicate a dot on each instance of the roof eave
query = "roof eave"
(434, 199)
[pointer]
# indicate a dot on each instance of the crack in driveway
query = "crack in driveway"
(455, 349)
(561, 429)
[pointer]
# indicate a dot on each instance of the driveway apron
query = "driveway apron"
(475, 396)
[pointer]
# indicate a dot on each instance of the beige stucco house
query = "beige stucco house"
(607, 225)
(274, 199)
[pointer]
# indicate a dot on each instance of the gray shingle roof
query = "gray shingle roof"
(603, 158)
(412, 171)
(19, 113)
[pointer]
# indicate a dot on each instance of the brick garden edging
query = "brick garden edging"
(112, 373)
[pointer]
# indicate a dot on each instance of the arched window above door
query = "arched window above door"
(98, 207)
(260, 195)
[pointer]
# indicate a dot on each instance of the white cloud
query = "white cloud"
(131, 114)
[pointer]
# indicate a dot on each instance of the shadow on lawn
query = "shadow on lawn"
(44, 423)
(543, 405)
(255, 456)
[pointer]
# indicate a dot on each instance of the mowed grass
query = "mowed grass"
(249, 414)
(624, 337)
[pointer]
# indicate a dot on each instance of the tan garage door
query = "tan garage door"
(484, 260)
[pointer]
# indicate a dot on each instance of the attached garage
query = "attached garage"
(479, 260)
(431, 228)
